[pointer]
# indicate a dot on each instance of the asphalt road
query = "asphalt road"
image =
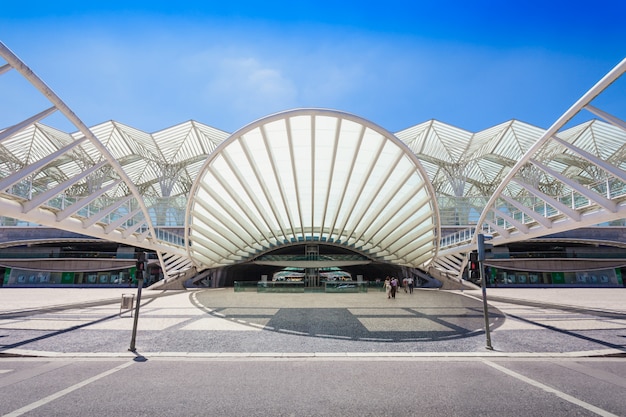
(313, 387)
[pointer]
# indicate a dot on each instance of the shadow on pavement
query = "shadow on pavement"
(423, 316)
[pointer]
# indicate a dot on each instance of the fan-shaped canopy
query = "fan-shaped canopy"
(312, 175)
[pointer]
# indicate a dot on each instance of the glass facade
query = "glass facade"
(15, 277)
(600, 278)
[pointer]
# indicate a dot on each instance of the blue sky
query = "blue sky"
(397, 63)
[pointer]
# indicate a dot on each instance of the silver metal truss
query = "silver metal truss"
(571, 177)
(70, 182)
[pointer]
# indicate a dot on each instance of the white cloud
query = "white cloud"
(247, 84)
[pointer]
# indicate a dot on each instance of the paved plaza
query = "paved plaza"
(89, 322)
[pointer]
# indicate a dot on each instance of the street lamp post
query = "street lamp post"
(483, 284)
(140, 271)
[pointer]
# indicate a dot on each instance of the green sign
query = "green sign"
(67, 278)
(558, 278)
(7, 275)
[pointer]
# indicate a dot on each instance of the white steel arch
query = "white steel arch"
(569, 178)
(312, 175)
(69, 182)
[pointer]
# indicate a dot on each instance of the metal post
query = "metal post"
(140, 275)
(136, 318)
(483, 284)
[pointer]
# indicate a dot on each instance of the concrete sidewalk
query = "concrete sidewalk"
(24, 299)
(20, 299)
(601, 299)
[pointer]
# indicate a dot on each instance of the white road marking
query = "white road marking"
(560, 394)
(66, 391)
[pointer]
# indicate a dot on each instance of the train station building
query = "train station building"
(312, 197)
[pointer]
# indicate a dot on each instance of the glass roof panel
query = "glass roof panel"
(332, 173)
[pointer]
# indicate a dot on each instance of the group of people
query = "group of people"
(392, 285)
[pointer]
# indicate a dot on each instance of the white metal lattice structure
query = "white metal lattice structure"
(570, 177)
(39, 166)
(312, 175)
(104, 186)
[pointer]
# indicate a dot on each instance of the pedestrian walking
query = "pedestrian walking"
(394, 287)
(411, 285)
(387, 286)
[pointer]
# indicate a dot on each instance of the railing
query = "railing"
(169, 237)
(334, 257)
(162, 235)
(345, 286)
(457, 238)
(299, 287)
(611, 188)
(269, 286)
(64, 255)
(164, 211)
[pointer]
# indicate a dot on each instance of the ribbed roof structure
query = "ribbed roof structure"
(317, 176)
(164, 165)
(311, 175)
(464, 164)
